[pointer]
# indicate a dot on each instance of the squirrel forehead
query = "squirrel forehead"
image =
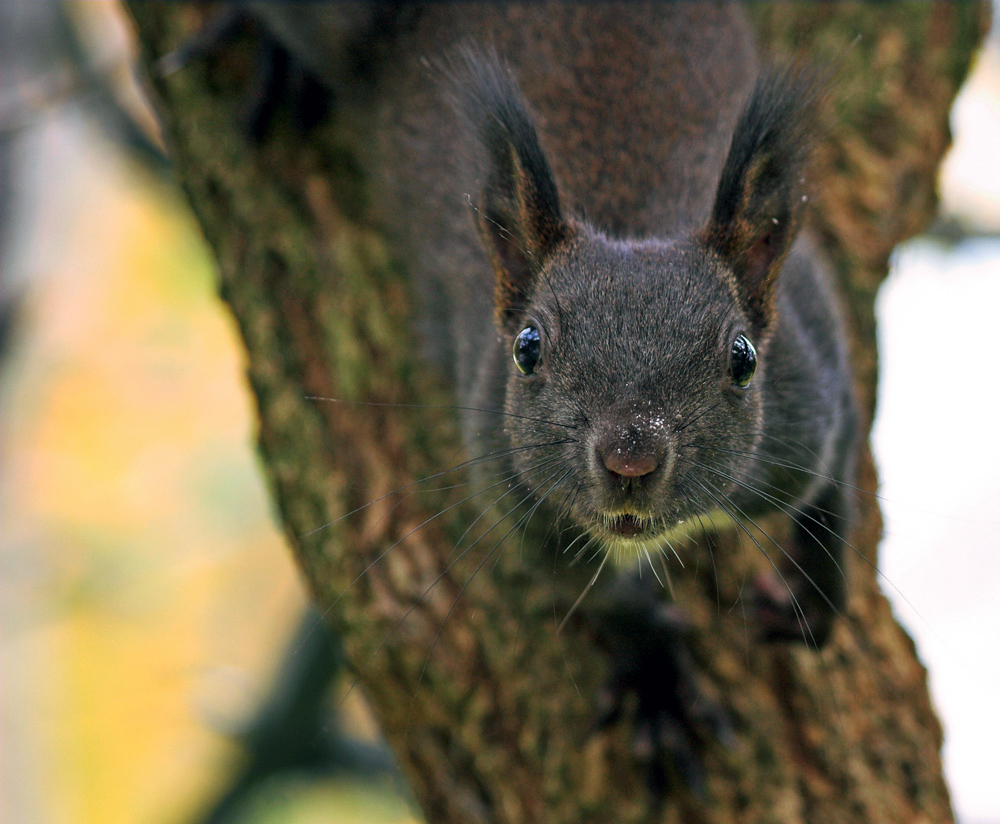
(650, 285)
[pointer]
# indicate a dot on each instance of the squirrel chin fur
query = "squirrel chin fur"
(628, 552)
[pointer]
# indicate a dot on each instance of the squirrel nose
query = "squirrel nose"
(626, 465)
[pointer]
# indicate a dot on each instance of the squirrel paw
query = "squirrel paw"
(779, 612)
(673, 718)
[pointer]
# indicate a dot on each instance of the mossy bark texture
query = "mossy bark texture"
(488, 708)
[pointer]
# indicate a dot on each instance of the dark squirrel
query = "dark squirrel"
(699, 376)
(683, 340)
(621, 268)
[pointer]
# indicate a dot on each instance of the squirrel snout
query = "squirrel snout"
(624, 465)
(629, 460)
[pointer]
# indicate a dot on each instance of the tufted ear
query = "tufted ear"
(761, 195)
(517, 212)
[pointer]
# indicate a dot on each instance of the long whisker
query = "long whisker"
(569, 546)
(793, 510)
(805, 575)
(499, 543)
(725, 504)
(700, 414)
(448, 406)
(579, 553)
(419, 526)
(490, 456)
(583, 594)
(711, 556)
(666, 572)
(530, 468)
(673, 549)
(770, 460)
(652, 569)
(419, 600)
(787, 508)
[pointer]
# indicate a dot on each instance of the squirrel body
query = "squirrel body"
(616, 199)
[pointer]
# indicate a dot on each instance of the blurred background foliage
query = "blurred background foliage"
(146, 591)
(147, 600)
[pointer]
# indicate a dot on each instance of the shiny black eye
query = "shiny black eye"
(742, 361)
(527, 349)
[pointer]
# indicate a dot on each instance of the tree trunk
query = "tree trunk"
(488, 707)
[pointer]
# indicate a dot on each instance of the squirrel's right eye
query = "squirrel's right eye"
(527, 349)
(742, 361)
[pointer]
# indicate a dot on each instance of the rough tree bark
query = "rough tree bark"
(489, 709)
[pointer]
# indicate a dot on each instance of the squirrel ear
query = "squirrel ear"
(759, 202)
(520, 224)
(518, 214)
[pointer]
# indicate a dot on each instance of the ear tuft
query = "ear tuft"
(761, 194)
(518, 213)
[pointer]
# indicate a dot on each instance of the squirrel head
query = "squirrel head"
(648, 353)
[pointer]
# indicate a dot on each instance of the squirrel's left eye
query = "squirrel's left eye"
(742, 361)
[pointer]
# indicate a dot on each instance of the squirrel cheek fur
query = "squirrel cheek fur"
(643, 391)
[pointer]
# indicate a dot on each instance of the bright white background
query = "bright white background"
(937, 443)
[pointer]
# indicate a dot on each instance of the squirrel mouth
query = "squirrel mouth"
(628, 526)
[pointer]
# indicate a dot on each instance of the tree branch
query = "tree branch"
(488, 708)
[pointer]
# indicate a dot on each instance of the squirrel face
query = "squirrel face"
(642, 351)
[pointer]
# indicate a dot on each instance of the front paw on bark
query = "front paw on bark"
(780, 611)
(674, 720)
